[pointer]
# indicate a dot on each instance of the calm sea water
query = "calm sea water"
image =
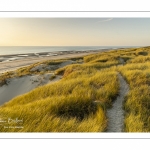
(5, 50)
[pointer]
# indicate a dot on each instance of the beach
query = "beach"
(15, 61)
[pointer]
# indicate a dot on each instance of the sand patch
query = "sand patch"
(19, 86)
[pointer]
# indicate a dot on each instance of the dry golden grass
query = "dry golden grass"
(69, 105)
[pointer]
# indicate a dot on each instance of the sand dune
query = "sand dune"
(19, 86)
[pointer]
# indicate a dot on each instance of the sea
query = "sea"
(9, 50)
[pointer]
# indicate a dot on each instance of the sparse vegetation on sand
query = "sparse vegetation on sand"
(79, 101)
(37, 68)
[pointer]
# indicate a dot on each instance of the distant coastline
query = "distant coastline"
(23, 50)
(12, 57)
(9, 62)
(15, 61)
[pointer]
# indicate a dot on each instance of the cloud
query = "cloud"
(106, 20)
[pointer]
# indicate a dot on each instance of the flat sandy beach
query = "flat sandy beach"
(13, 62)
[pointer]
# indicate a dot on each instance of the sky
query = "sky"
(75, 31)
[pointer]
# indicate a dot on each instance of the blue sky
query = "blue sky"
(75, 31)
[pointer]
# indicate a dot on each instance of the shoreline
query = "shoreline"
(25, 60)
(54, 53)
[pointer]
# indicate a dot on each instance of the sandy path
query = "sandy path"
(116, 113)
(13, 65)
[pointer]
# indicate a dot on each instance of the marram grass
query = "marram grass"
(69, 104)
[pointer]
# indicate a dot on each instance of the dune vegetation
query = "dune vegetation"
(79, 101)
